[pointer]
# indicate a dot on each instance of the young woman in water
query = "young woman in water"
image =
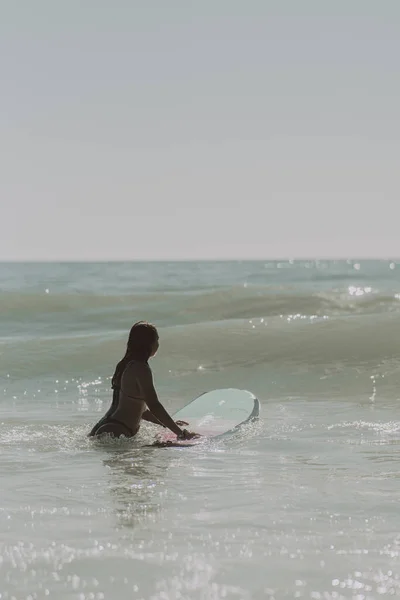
(134, 396)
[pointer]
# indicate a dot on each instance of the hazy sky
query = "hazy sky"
(199, 129)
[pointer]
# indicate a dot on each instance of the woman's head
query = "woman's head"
(142, 345)
(142, 341)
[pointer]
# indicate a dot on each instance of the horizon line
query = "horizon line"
(197, 259)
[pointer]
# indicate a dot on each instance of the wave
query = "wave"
(284, 342)
(219, 304)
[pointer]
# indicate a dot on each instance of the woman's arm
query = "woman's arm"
(145, 379)
(148, 416)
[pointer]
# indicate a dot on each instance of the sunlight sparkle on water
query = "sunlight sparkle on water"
(359, 291)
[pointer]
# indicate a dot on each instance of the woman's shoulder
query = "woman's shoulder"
(136, 367)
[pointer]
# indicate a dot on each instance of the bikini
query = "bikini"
(108, 418)
(118, 422)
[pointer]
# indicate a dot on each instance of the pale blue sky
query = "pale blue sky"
(212, 129)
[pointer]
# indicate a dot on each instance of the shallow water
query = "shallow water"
(301, 504)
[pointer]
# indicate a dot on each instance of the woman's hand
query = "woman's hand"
(181, 423)
(187, 435)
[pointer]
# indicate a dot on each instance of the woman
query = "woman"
(134, 390)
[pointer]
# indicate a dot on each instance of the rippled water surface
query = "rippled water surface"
(301, 504)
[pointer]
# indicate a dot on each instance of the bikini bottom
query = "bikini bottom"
(111, 420)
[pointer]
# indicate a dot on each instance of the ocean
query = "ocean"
(303, 503)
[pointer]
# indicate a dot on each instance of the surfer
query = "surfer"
(134, 396)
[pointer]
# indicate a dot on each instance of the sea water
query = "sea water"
(303, 503)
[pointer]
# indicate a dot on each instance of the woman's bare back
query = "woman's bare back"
(131, 399)
(125, 414)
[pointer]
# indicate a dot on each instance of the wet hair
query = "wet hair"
(142, 337)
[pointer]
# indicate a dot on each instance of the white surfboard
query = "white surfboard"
(213, 414)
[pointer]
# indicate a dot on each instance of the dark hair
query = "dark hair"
(139, 347)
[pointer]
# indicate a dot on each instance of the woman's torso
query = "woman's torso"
(131, 400)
